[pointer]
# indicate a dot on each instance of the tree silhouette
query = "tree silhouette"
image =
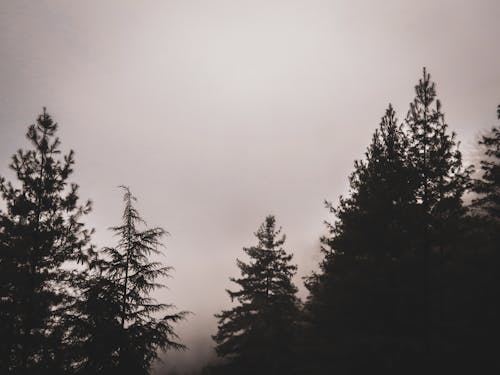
(488, 186)
(388, 246)
(256, 336)
(361, 302)
(128, 277)
(98, 327)
(41, 232)
(440, 182)
(474, 277)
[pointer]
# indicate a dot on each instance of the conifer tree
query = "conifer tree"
(488, 186)
(41, 233)
(476, 280)
(440, 181)
(360, 301)
(256, 336)
(98, 325)
(125, 329)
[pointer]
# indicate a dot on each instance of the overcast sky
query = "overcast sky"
(217, 113)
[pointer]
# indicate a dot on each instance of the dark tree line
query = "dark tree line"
(409, 281)
(66, 308)
(384, 291)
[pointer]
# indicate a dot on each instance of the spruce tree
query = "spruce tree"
(41, 235)
(256, 336)
(125, 328)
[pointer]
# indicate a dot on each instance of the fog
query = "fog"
(217, 113)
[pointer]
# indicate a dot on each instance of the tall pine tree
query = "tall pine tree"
(41, 235)
(440, 182)
(360, 306)
(256, 336)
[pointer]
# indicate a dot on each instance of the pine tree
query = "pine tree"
(124, 329)
(41, 235)
(488, 186)
(475, 275)
(360, 301)
(440, 181)
(256, 336)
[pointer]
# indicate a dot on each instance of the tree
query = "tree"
(99, 329)
(440, 181)
(488, 186)
(256, 336)
(124, 330)
(41, 235)
(360, 306)
(474, 298)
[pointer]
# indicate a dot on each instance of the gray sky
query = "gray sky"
(217, 113)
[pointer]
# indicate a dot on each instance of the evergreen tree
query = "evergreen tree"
(475, 277)
(488, 186)
(98, 330)
(360, 304)
(440, 181)
(257, 335)
(373, 298)
(125, 333)
(41, 234)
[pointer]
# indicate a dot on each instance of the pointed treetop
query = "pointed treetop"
(267, 233)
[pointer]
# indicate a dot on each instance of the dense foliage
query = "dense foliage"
(64, 307)
(408, 279)
(41, 232)
(257, 334)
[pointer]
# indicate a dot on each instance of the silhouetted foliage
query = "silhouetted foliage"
(361, 304)
(474, 277)
(408, 283)
(440, 182)
(488, 186)
(256, 336)
(41, 234)
(380, 295)
(99, 327)
(125, 332)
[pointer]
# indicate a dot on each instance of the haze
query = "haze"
(217, 113)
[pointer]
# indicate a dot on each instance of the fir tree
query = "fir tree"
(119, 302)
(41, 233)
(256, 336)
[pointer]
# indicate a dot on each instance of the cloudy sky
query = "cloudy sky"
(217, 113)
